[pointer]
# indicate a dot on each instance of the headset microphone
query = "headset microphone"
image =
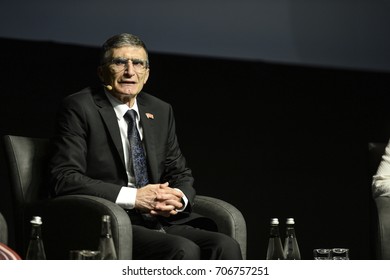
(108, 87)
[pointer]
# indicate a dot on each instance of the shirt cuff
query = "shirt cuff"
(184, 200)
(126, 197)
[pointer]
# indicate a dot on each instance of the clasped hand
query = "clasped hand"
(159, 199)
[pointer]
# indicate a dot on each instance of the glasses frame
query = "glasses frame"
(120, 64)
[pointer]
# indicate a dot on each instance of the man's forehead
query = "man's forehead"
(129, 50)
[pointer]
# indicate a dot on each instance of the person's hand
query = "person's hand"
(168, 201)
(158, 199)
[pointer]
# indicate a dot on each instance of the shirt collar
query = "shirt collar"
(120, 108)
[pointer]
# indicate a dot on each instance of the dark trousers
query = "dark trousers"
(183, 242)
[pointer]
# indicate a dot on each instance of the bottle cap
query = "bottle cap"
(36, 220)
(290, 221)
(106, 218)
(274, 221)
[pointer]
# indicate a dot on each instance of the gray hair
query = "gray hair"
(118, 41)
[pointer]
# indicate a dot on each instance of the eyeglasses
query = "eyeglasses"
(119, 64)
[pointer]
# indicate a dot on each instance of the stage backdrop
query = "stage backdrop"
(274, 140)
(335, 33)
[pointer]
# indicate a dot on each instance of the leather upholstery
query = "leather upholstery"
(73, 222)
(228, 218)
(381, 217)
(69, 222)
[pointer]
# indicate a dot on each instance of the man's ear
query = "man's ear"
(146, 75)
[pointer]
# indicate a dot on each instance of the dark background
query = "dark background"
(275, 140)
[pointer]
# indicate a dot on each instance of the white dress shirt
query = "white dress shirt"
(127, 195)
(381, 180)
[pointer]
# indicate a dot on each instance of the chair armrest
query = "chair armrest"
(228, 218)
(383, 208)
(73, 222)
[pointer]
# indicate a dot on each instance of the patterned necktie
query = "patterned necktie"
(139, 165)
(137, 150)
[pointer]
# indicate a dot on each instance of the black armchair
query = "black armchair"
(73, 221)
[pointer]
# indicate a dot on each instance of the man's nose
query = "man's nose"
(130, 68)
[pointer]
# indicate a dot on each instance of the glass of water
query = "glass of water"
(340, 254)
(322, 254)
(84, 255)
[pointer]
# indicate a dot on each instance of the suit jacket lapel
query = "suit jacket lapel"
(110, 120)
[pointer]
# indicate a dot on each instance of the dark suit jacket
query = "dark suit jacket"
(88, 153)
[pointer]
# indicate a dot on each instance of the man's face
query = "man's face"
(126, 72)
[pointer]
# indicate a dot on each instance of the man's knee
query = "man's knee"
(227, 248)
(185, 249)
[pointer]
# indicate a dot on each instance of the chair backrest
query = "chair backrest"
(26, 159)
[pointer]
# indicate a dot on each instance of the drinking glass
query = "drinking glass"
(74, 255)
(322, 254)
(340, 254)
(84, 255)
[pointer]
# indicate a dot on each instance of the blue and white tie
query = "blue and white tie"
(139, 164)
(137, 150)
